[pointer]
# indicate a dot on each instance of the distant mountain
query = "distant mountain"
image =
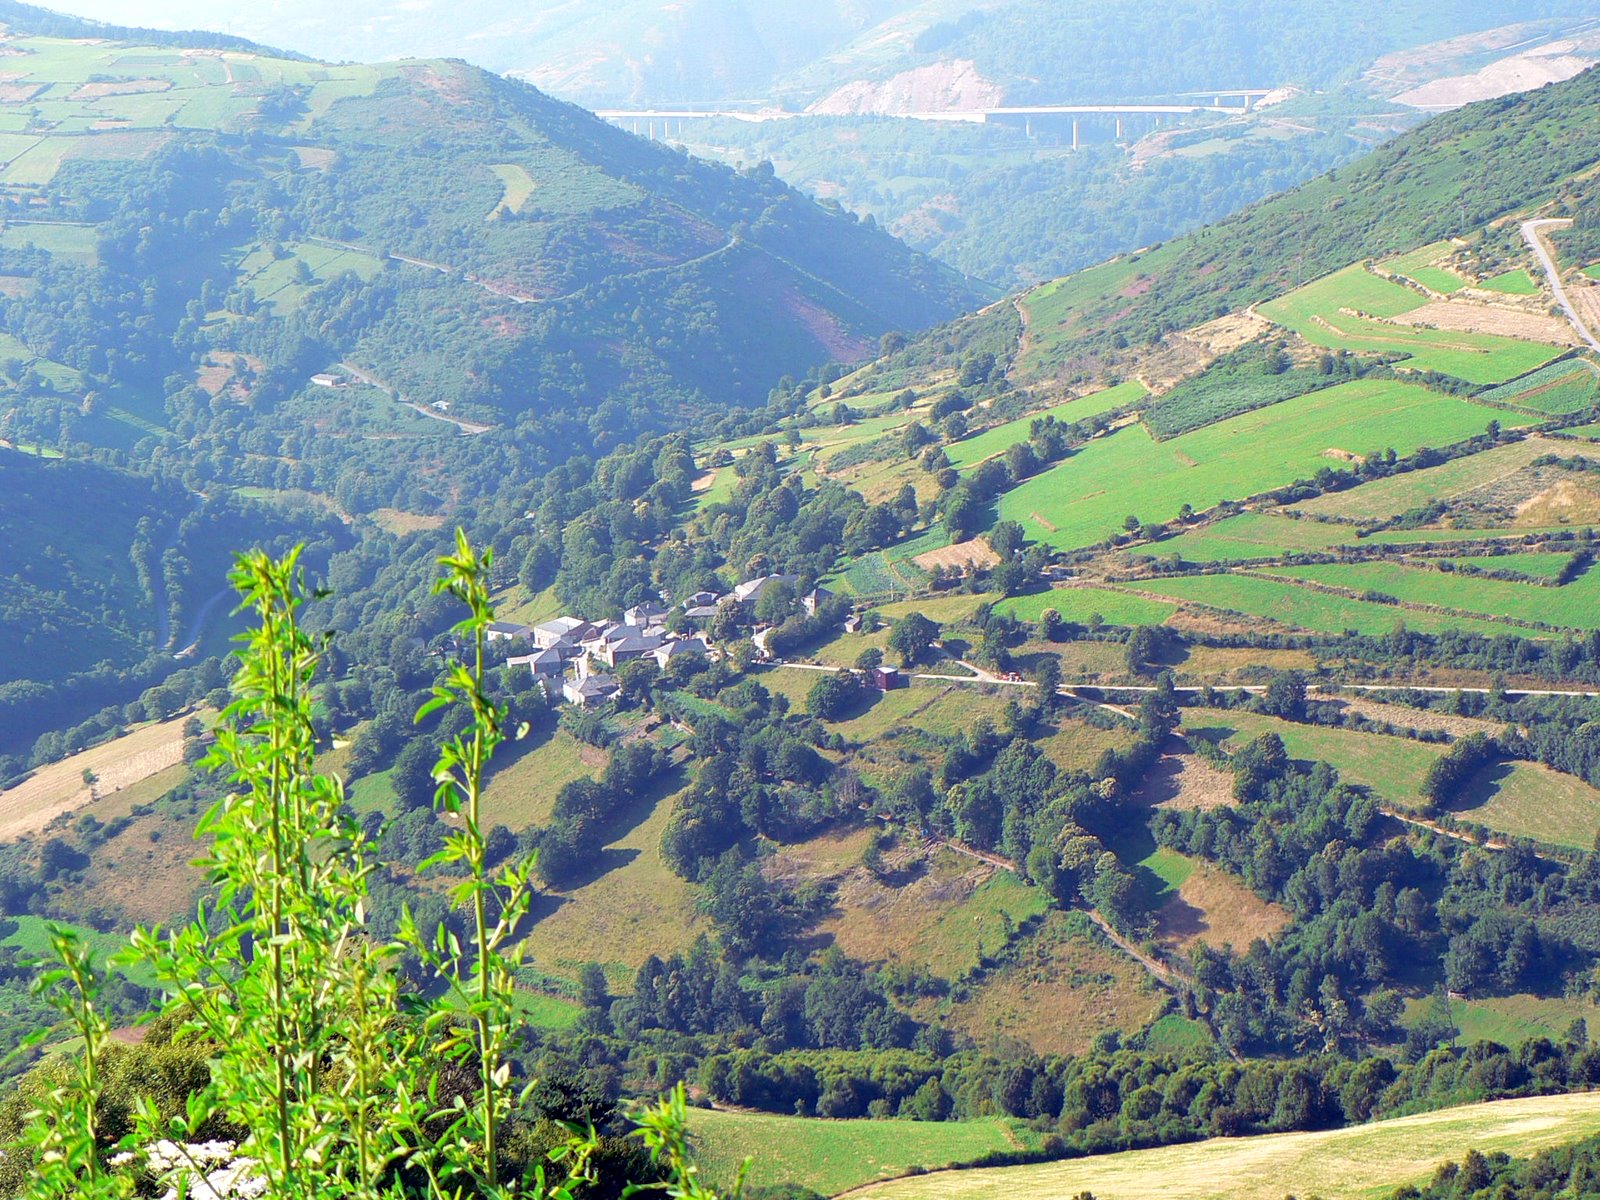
(860, 55)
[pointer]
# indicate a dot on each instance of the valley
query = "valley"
(1136, 734)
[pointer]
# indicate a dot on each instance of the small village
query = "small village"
(575, 660)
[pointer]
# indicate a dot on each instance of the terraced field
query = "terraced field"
(1564, 387)
(1086, 499)
(969, 452)
(1575, 606)
(1080, 604)
(1393, 767)
(1422, 265)
(1324, 612)
(1252, 535)
(1538, 565)
(1516, 282)
(1384, 498)
(1344, 311)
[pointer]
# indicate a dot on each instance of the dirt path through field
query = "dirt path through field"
(466, 427)
(59, 788)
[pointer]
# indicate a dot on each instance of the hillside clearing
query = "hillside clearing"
(1341, 1164)
(633, 907)
(1530, 800)
(117, 764)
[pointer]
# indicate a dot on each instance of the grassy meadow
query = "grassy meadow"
(1393, 767)
(1529, 800)
(1575, 606)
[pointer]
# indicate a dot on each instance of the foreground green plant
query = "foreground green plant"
(333, 1070)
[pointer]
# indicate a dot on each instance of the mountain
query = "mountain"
(1016, 200)
(224, 269)
(1023, 51)
(548, 218)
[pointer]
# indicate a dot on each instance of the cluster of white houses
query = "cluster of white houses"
(581, 656)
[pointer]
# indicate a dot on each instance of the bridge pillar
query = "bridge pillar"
(1119, 129)
(1074, 133)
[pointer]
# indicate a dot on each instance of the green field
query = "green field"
(544, 1011)
(1393, 767)
(1324, 313)
(32, 939)
(1538, 565)
(1568, 386)
(969, 452)
(523, 788)
(1510, 1020)
(890, 571)
(830, 1156)
(1575, 606)
(1086, 498)
(942, 609)
(280, 281)
(1402, 537)
(1592, 270)
(1513, 283)
(75, 243)
(632, 907)
(1251, 535)
(1364, 1162)
(1422, 266)
(1529, 800)
(1079, 604)
(1307, 608)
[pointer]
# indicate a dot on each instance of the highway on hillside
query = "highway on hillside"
(1532, 233)
(1246, 98)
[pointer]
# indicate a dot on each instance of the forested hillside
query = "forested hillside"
(194, 231)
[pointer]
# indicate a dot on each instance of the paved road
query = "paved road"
(1532, 232)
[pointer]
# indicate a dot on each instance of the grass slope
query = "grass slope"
(831, 1156)
(1342, 1164)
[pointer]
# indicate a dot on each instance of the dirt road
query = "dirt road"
(1533, 234)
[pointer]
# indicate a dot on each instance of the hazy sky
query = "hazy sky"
(351, 29)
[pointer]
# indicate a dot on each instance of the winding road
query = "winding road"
(1533, 234)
